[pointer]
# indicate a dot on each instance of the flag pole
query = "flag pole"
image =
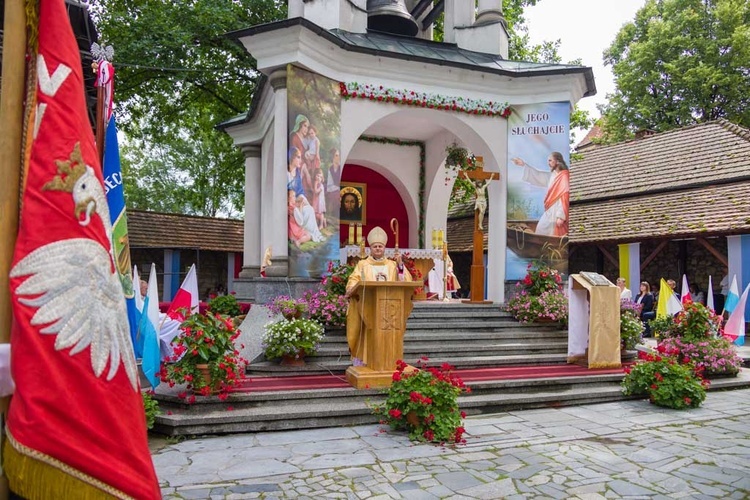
(11, 131)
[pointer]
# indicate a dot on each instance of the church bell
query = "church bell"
(391, 16)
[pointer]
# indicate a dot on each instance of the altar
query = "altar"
(424, 261)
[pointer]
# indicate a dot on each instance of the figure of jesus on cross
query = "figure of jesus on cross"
(480, 180)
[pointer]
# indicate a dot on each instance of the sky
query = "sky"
(585, 29)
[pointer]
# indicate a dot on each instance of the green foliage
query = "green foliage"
(714, 356)
(151, 407)
(205, 339)
(631, 329)
(326, 308)
(694, 323)
(177, 77)
(288, 337)
(424, 402)
(678, 63)
(286, 306)
(335, 280)
(539, 296)
(666, 382)
(226, 305)
(662, 327)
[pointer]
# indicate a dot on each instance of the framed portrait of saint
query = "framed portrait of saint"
(353, 197)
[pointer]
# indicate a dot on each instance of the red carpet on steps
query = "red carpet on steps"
(260, 384)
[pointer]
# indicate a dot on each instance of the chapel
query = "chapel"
(349, 126)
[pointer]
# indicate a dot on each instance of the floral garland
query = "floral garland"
(421, 146)
(354, 90)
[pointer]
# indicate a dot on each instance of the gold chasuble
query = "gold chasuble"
(368, 269)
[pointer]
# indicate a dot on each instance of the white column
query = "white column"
(252, 241)
(496, 240)
(489, 10)
(277, 198)
(458, 14)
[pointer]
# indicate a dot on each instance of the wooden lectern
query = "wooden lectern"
(384, 307)
(593, 321)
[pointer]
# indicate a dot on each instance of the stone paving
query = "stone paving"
(627, 449)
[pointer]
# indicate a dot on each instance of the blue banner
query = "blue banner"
(120, 244)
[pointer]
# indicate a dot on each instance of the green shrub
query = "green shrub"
(224, 304)
(151, 407)
(665, 381)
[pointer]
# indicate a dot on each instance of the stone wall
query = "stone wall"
(699, 262)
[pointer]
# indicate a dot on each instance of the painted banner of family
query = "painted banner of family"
(313, 171)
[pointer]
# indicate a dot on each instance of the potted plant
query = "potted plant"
(665, 381)
(336, 277)
(694, 335)
(205, 357)
(224, 304)
(286, 306)
(291, 339)
(631, 327)
(539, 296)
(424, 402)
(327, 309)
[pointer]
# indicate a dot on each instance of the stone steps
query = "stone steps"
(305, 409)
(465, 336)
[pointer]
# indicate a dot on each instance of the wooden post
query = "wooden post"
(11, 163)
(477, 260)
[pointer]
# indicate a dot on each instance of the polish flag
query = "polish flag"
(685, 295)
(710, 295)
(734, 330)
(75, 426)
(186, 297)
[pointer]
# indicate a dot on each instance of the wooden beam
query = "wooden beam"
(609, 256)
(653, 254)
(11, 137)
(719, 256)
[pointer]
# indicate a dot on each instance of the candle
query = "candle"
(359, 233)
(440, 238)
(351, 234)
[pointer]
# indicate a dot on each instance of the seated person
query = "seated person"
(646, 300)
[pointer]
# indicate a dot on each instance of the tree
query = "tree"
(680, 62)
(177, 76)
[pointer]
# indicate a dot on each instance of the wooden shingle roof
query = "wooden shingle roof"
(685, 182)
(158, 230)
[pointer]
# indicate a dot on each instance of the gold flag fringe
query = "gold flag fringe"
(34, 475)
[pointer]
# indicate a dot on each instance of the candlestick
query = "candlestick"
(351, 234)
(359, 233)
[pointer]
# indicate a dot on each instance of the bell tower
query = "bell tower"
(481, 28)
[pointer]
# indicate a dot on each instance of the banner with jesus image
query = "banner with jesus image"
(538, 187)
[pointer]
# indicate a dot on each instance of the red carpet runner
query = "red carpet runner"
(261, 384)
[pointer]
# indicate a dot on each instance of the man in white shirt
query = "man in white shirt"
(625, 294)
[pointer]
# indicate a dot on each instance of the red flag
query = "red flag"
(76, 422)
(186, 297)
(685, 296)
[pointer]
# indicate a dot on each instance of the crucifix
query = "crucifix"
(480, 180)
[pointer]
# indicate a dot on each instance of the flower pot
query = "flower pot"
(294, 315)
(412, 418)
(294, 360)
(545, 320)
(206, 373)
